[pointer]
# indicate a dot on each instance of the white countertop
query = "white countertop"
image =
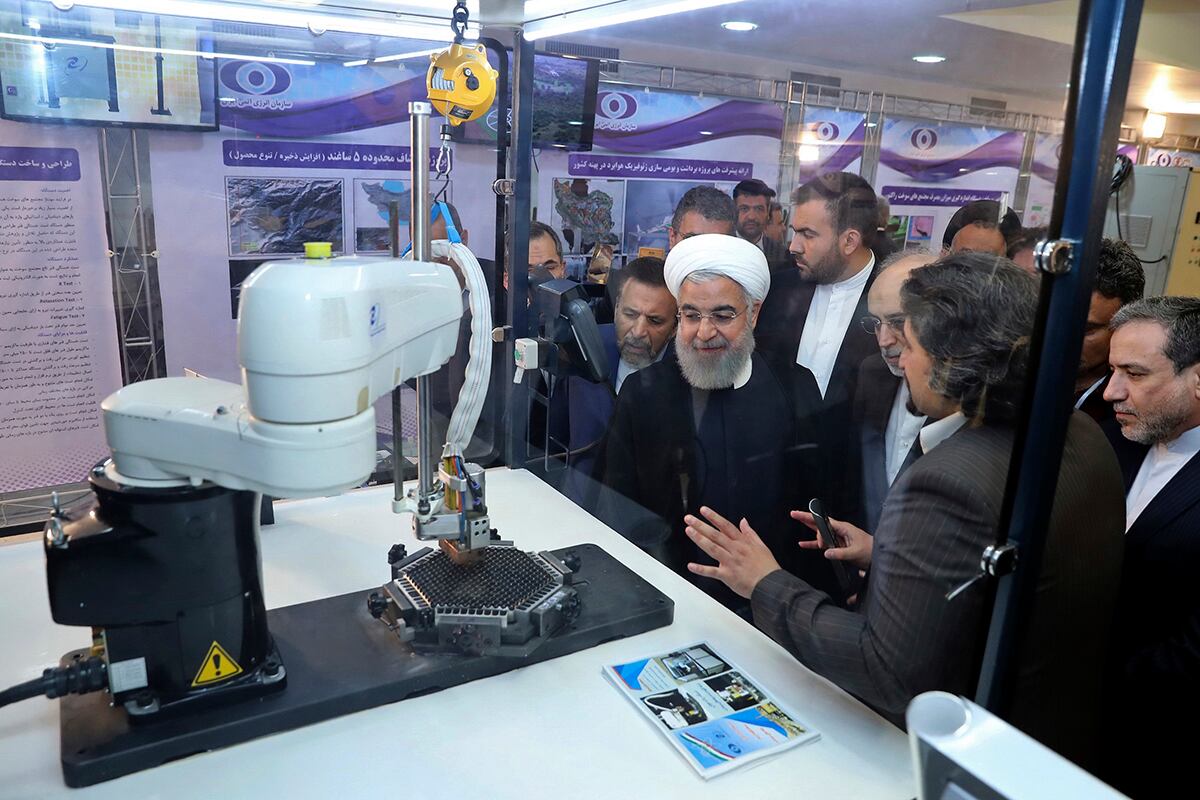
(554, 729)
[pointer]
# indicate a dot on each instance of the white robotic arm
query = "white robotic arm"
(318, 342)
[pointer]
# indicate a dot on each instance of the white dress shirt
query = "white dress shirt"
(903, 428)
(625, 369)
(831, 313)
(1088, 392)
(1161, 464)
(935, 433)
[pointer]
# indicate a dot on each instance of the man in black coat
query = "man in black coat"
(713, 425)
(1155, 391)
(885, 427)
(967, 322)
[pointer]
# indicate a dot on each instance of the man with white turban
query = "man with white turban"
(714, 426)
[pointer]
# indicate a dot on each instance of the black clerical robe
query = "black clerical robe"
(750, 452)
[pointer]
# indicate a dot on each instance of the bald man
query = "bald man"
(712, 424)
(885, 427)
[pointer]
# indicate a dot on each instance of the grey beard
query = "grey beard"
(637, 358)
(1156, 427)
(724, 372)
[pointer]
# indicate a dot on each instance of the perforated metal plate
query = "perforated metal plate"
(502, 578)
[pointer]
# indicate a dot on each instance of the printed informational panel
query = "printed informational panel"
(928, 169)
(277, 216)
(58, 338)
(830, 141)
(588, 212)
(656, 146)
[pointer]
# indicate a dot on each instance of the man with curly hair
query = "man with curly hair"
(967, 323)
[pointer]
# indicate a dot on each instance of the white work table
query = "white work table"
(553, 729)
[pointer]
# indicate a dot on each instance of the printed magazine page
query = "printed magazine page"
(711, 711)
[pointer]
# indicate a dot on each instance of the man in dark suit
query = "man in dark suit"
(713, 425)
(643, 323)
(811, 315)
(885, 427)
(1155, 390)
(1120, 280)
(967, 321)
(753, 200)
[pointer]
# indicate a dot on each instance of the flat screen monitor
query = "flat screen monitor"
(564, 105)
(126, 69)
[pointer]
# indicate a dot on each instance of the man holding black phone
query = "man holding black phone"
(922, 618)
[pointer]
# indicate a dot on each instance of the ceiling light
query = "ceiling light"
(872, 124)
(706, 133)
(562, 22)
(574, 122)
(739, 27)
(169, 51)
(356, 63)
(1154, 125)
(963, 169)
(930, 59)
(808, 153)
(284, 17)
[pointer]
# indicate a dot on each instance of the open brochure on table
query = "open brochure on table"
(711, 711)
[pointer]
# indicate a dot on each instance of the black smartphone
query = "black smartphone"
(846, 578)
(827, 535)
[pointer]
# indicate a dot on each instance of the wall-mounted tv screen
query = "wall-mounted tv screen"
(564, 105)
(109, 68)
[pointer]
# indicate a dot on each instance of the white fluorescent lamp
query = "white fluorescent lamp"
(403, 56)
(287, 18)
(1154, 125)
(164, 50)
(930, 59)
(564, 22)
(360, 62)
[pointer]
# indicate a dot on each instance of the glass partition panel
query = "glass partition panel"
(806, 233)
(152, 162)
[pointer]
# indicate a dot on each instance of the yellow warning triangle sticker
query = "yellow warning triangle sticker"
(217, 666)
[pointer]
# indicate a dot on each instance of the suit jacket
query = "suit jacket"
(875, 392)
(1156, 656)
(777, 336)
(907, 638)
(652, 475)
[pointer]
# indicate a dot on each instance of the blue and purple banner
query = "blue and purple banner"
(932, 152)
(589, 165)
(317, 155)
(39, 164)
(300, 101)
(830, 141)
(629, 121)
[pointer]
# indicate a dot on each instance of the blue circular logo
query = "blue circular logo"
(924, 138)
(255, 77)
(616, 105)
(825, 131)
(75, 64)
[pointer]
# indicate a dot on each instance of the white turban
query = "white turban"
(736, 259)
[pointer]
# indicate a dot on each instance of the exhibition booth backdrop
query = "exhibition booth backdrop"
(317, 152)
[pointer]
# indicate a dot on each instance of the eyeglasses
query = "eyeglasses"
(719, 319)
(872, 323)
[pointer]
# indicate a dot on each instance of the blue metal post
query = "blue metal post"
(1103, 58)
